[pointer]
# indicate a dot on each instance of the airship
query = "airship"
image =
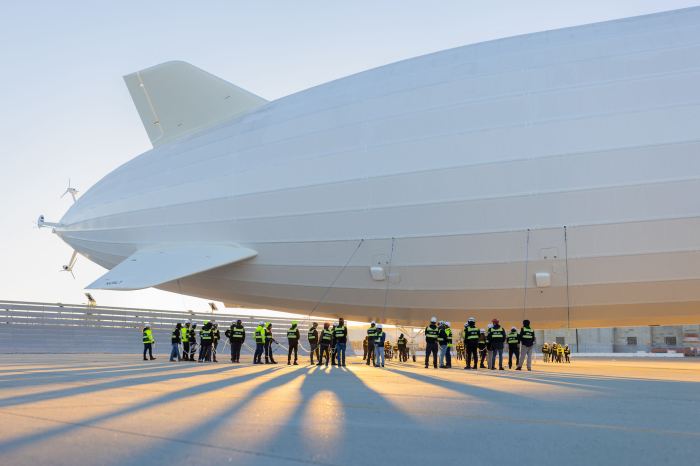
(552, 176)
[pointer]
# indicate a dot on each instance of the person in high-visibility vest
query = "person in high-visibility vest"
(184, 337)
(402, 344)
(148, 342)
(326, 339)
(269, 340)
(379, 340)
(370, 341)
(448, 341)
(293, 341)
(312, 337)
(471, 343)
(496, 338)
(527, 345)
(205, 340)
(259, 343)
(236, 337)
(513, 339)
(192, 337)
(341, 340)
(431, 342)
(175, 341)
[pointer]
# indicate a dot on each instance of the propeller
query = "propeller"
(70, 190)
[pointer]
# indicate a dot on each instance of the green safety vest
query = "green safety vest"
(471, 333)
(340, 332)
(513, 338)
(259, 334)
(237, 332)
(498, 334)
(371, 332)
(431, 333)
(448, 332)
(402, 341)
(183, 334)
(205, 334)
(528, 333)
(148, 336)
(327, 336)
(311, 335)
(292, 333)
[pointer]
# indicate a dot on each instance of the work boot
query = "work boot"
(467, 368)
(145, 358)
(501, 368)
(296, 363)
(289, 363)
(518, 368)
(152, 358)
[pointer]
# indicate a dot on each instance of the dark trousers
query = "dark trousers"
(314, 350)
(364, 354)
(268, 351)
(370, 352)
(205, 351)
(325, 351)
(214, 345)
(148, 347)
(448, 356)
(259, 349)
(513, 349)
(431, 348)
(185, 350)
(333, 353)
(236, 350)
(471, 354)
(293, 347)
(483, 352)
(193, 350)
(403, 353)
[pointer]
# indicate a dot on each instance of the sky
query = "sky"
(66, 113)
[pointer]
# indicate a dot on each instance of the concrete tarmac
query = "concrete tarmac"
(117, 409)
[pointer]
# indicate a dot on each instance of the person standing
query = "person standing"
(379, 340)
(269, 340)
(215, 337)
(442, 343)
(364, 348)
(148, 342)
(341, 341)
(175, 341)
(483, 347)
(431, 342)
(471, 343)
(326, 339)
(259, 343)
(527, 345)
(402, 344)
(205, 342)
(333, 348)
(236, 337)
(184, 338)
(312, 337)
(496, 338)
(513, 347)
(448, 340)
(370, 341)
(192, 337)
(293, 341)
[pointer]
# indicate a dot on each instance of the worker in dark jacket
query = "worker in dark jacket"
(215, 337)
(175, 340)
(205, 342)
(431, 342)
(293, 341)
(326, 340)
(402, 344)
(370, 341)
(332, 328)
(483, 347)
(513, 339)
(527, 345)
(341, 340)
(236, 337)
(496, 339)
(312, 337)
(379, 340)
(471, 343)
(192, 336)
(259, 343)
(269, 340)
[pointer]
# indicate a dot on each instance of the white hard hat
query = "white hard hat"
(379, 325)
(373, 322)
(261, 323)
(490, 326)
(471, 319)
(433, 319)
(447, 323)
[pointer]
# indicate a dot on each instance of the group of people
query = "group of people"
(554, 352)
(479, 347)
(479, 344)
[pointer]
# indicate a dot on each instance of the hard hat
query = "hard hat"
(471, 319)
(261, 323)
(294, 322)
(373, 322)
(481, 330)
(205, 322)
(513, 328)
(433, 319)
(490, 325)
(447, 323)
(189, 321)
(379, 325)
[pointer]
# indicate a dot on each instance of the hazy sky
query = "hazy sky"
(66, 112)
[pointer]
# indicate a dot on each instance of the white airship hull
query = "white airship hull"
(573, 154)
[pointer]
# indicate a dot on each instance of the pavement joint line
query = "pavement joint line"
(170, 439)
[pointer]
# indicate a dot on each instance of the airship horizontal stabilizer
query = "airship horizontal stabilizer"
(161, 264)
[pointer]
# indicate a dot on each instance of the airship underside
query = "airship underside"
(553, 176)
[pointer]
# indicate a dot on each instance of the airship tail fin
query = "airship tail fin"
(153, 266)
(175, 98)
